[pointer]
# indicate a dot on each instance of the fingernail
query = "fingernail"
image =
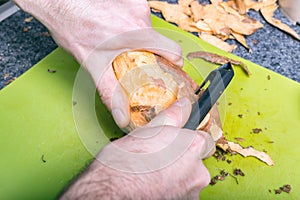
(209, 146)
(176, 59)
(179, 62)
(119, 117)
(184, 108)
(183, 102)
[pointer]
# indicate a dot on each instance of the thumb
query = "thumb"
(176, 115)
(114, 97)
(120, 107)
(204, 145)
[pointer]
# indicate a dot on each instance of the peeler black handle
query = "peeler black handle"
(217, 81)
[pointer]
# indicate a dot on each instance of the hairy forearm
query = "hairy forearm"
(80, 26)
(44, 10)
(57, 16)
(101, 182)
(92, 184)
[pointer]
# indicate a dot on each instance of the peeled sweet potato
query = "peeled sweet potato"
(152, 84)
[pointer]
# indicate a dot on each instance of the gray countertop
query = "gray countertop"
(20, 49)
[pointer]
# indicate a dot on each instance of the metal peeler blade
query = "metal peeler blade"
(217, 81)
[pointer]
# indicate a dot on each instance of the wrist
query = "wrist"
(101, 182)
(58, 16)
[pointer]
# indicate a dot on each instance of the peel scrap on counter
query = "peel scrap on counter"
(152, 84)
(215, 58)
(221, 20)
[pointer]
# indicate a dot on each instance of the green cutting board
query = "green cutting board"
(51, 131)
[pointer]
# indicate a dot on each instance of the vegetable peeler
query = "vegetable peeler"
(209, 92)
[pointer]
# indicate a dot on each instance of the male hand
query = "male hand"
(158, 161)
(96, 31)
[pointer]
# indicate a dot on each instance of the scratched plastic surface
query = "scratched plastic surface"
(48, 134)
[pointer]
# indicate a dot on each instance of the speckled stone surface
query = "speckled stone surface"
(273, 48)
(21, 49)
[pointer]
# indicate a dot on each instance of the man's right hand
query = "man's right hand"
(157, 161)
